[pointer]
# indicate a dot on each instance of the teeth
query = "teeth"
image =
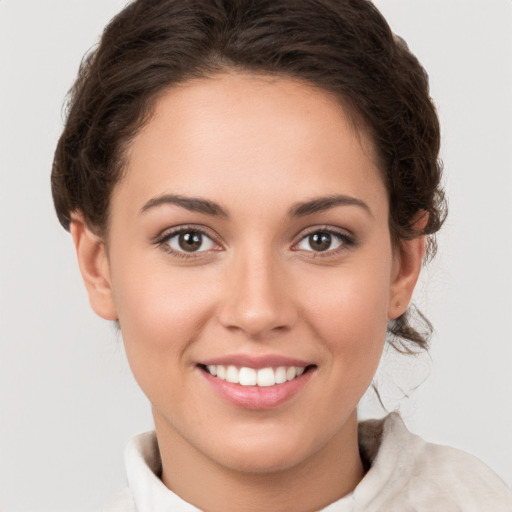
(247, 377)
(280, 375)
(221, 372)
(264, 377)
(232, 374)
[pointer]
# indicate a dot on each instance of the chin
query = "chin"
(266, 452)
(259, 461)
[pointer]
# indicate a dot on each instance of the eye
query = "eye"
(322, 241)
(190, 240)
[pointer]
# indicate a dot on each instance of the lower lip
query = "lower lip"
(257, 397)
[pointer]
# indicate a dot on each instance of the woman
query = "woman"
(252, 189)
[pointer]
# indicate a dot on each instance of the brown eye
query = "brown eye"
(322, 241)
(190, 241)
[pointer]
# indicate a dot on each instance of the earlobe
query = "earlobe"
(94, 267)
(406, 270)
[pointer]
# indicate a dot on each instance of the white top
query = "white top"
(406, 475)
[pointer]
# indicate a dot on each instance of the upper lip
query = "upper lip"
(256, 362)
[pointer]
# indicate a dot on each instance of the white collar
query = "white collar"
(378, 441)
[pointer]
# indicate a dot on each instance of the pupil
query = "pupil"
(320, 241)
(190, 241)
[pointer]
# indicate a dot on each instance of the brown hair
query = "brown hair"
(341, 46)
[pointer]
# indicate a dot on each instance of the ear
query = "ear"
(406, 269)
(94, 267)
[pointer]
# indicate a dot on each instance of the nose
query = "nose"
(257, 296)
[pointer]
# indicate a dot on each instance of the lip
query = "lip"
(256, 362)
(256, 397)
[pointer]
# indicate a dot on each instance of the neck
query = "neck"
(322, 478)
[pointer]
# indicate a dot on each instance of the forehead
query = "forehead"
(243, 135)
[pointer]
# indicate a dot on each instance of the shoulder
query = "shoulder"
(408, 473)
(142, 466)
(461, 477)
(146, 491)
(121, 502)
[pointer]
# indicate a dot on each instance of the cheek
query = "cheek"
(161, 313)
(159, 303)
(349, 314)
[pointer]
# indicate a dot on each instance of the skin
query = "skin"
(256, 146)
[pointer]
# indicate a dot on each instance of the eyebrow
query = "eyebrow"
(321, 204)
(196, 204)
(193, 204)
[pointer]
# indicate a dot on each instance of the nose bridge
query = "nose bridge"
(256, 299)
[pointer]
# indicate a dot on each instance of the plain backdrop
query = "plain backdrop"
(68, 401)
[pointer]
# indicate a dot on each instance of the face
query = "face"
(249, 241)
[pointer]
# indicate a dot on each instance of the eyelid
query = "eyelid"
(168, 233)
(348, 240)
(180, 228)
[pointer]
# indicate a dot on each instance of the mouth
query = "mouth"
(256, 382)
(259, 377)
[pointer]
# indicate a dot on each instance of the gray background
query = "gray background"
(68, 401)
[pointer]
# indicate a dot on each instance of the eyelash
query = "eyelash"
(162, 240)
(346, 241)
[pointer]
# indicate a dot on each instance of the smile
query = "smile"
(263, 377)
(256, 382)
